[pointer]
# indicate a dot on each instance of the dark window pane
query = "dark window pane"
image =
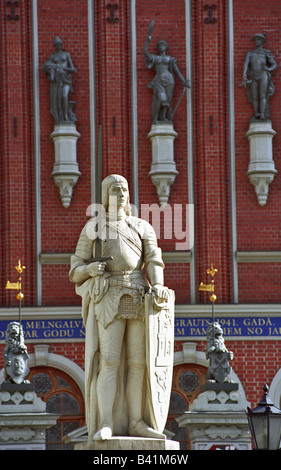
(69, 426)
(177, 404)
(189, 381)
(53, 433)
(70, 405)
(42, 383)
(62, 382)
(54, 404)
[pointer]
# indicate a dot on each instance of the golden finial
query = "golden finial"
(19, 267)
(17, 285)
(212, 270)
(210, 287)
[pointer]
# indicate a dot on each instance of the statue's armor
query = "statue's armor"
(132, 243)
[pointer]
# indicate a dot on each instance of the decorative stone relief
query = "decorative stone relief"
(26, 401)
(16, 434)
(223, 400)
(215, 432)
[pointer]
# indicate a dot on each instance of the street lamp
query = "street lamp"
(265, 423)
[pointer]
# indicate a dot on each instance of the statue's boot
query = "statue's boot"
(141, 429)
(137, 427)
(104, 433)
(106, 391)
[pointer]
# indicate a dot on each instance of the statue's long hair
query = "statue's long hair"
(107, 183)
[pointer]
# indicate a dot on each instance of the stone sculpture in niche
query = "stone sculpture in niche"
(163, 168)
(59, 69)
(129, 323)
(258, 66)
(163, 83)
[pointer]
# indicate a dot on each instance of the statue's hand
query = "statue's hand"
(96, 268)
(161, 294)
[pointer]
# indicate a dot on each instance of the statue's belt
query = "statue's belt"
(126, 282)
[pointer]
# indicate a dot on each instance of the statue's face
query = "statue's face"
(162, 47)
(58, 46)
(18, 365)
(118, 195)
(14, 331)
(258, 41)
(218, 332)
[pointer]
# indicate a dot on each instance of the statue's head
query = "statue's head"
(259, 36)
(57, 41)
(19, 365)
(214, 331)
(13, 330)
(162, 45)
(110, 186)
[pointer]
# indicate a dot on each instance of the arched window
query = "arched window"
(187, 380)
(63, 397)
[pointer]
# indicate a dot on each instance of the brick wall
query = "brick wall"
(16, 164)
(258, 228)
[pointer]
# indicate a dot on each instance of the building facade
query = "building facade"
(236, 223)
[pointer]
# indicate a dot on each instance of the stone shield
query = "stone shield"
(159, 321)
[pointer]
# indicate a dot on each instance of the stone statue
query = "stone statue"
(15, 355)
(218, 354)
(163, 82)
(59, 69)
(118, 395)
(258, 65)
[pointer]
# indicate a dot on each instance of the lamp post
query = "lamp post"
(265, 423)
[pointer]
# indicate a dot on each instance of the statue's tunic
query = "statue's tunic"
(118, 292)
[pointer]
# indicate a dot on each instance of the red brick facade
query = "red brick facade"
(256, 232)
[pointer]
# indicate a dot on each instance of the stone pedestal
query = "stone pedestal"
(23, 418)
(163, 168)
(128, 443)
(65, 169)
(217, 419)
(261, 170)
